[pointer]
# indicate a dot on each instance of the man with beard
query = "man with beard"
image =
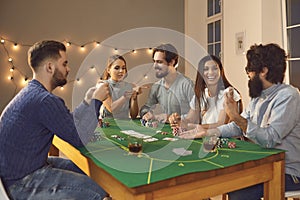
(272, 118)
(28, 125)
(173, 91)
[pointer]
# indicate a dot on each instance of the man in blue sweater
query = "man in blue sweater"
(29, 122)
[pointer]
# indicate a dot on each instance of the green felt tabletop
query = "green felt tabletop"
(158, 161)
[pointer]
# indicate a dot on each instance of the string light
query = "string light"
(150, 50)
(23, 81)
(15, 46)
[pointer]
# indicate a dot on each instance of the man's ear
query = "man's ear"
(172, 63)
(264, 72)
(49, 67)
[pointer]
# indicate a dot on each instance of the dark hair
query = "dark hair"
(169, 51)
(110, 61)
(200, 84)
(270, 56)
(44, 50)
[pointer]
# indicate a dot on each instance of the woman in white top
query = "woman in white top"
(123, 96)
(207, 104)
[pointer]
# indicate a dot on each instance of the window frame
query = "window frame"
(286, 28)
(213, 19)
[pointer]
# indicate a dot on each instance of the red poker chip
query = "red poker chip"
(231, 145)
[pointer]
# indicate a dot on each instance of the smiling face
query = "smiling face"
(117, 70)
(211, 73)
(160, 65)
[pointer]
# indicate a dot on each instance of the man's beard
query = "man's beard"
(255, 87)
(58, 79)
(159, 74)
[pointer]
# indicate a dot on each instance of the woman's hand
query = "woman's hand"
(197, 132)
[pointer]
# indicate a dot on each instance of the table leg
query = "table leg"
(274, 189)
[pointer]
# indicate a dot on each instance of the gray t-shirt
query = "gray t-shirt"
(117, 90)
(174, 99)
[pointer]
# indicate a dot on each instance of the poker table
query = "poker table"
(160, 172)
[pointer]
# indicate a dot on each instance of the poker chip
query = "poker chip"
(102, 124)
(150, 123)
(222, 142)
(176, 130)
(231, 145)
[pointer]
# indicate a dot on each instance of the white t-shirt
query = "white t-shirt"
(215, 107)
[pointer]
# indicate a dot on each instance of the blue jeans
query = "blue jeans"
(61, 179)
(256, 192)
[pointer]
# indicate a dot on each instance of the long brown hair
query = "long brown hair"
(200, 84)
(110, 61)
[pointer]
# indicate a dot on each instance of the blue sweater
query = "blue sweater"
(28, 124)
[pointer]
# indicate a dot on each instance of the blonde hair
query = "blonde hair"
(110, 61)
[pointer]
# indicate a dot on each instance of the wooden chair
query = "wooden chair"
(295, 195)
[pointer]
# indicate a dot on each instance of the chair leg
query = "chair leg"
(53, 151)
(224, 196)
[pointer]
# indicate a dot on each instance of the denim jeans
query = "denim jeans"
(61, 179)
(256, 192)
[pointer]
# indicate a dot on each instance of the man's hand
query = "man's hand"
(148, 116)
(163, 118)
(230, 105)
(89, 95)
(102, 92)
(231, 109)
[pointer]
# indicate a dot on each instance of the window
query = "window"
(214, 27)
(293, 40)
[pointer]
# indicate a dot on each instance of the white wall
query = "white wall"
(27, 22)
(195, 27)
(260, 20)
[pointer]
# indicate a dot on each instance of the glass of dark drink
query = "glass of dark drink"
(210, 143)
(135, 145)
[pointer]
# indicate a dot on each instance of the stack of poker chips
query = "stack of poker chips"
(225, 142)
(153, 124)
(176, 130)
(96, 137)
(102, 124)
